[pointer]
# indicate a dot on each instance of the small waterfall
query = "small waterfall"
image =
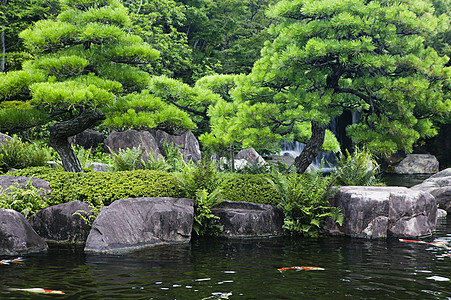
(293, 149)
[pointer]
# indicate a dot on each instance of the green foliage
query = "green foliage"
(102, 188)
(250, 188)
(358, 168)
(27, 200)
(156, 162)
(305, 201)
(173, 156)
(16, 154)
(206, 223)
(200, 182)
(127, 159)
(201, 176)
(88, 217)
(144, 111)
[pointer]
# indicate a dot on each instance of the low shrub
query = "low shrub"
(305, 201)
(102, 188)
(255, 188)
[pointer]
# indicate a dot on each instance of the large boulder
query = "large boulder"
(63, 223)
(17, 237)
(131, 224)
(22, 181)
(417, 164)
(376, 212)
(132, 138)
(249, 220)
(439, 185)
(187, 143)
(251, 156)
(88, 139)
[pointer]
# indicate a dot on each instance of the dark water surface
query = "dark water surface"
(245, 269)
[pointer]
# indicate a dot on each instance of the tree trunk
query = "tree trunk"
(2, 56)
(311, 149)
(60, 132)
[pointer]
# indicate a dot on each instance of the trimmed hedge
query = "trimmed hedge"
(254, 188)
(102, 188)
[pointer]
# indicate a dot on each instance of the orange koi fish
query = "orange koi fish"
(301, 268)
(38, 291)
(18, 260)
(436, 243)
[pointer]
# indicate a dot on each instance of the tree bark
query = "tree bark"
(60, 132)
(311, 149)
(2, 56)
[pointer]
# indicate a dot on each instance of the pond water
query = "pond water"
(243, 269)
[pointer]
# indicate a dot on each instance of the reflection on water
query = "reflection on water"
(403, 180)
(243, 269)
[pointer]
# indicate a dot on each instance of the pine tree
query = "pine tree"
(86, 70)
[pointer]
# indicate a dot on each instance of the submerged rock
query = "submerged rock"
(60, 223)
(246, 220)
(376, 212)
(17, 237)
(132, 224)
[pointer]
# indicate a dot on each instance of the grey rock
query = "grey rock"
(251, 156)
(60, 223)
(376, 212)
(188, 143)
(249, 220)
(17, 237)
(443, 173)
(42, 185)
(132, 138)
(98, 167)
(418, 164)
(88, 139)
(131, 224)
(413, 213)
(439, 185)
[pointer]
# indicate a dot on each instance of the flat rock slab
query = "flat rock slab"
(132, 224)
(249, 220)
(62, 223)
(439, 185)
(17, 237)
(376, 212)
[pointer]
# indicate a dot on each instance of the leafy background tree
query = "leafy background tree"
(16, 16)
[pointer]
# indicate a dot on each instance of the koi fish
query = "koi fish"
(18, 260)
(219, 296)
(38, 291)
(301, 268)
(436, 243)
